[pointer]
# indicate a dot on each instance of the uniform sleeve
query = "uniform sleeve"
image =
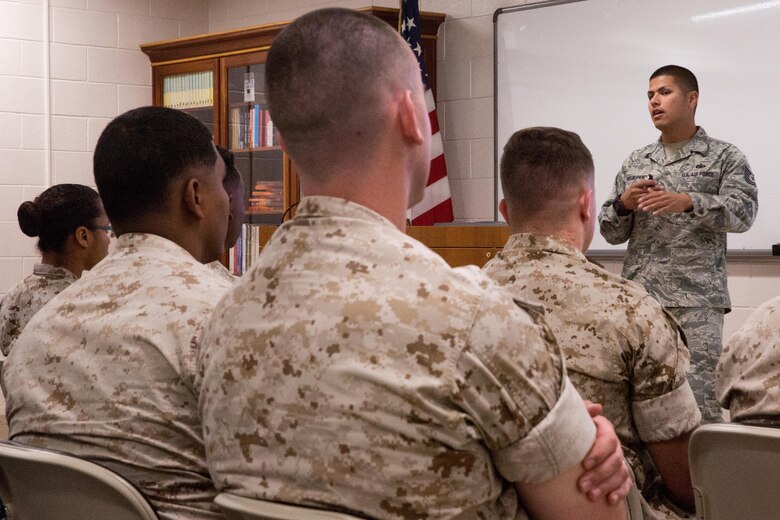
(733, 209)
(513, 384)
(614, 228)
(746, 378)
(663, 405)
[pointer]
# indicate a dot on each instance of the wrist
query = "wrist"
(621, 208)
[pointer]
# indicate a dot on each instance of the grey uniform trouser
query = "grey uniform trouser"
(703, 328)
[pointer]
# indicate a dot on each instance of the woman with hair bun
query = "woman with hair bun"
(73, 235)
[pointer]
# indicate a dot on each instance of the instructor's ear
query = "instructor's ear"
(410, 126)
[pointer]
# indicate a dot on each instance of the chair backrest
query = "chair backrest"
(38, 484)
(735, 471)
(242, 508)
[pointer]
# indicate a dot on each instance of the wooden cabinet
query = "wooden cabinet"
(219, 78)
(462, 245)
(458, 245)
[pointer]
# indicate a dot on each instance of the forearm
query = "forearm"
(559, 498)
(730, 213)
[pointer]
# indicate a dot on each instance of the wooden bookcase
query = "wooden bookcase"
(209, 75)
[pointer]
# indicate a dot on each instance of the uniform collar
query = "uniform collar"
(320, 206)
(699, 143)
(51, 272)
(135, 242)
(533, 242)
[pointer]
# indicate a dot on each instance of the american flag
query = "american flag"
(437, 204)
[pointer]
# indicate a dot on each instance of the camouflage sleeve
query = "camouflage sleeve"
(614, 228)
(513, 385)
(746, 378)
(663, 405)
(733, 209)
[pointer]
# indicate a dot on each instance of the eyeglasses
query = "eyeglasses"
(106, 228)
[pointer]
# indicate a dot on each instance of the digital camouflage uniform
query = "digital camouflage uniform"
(621, 349)
(680, 258)
(107, 372)
(353, 369)
(222, 271)
(28, 297)
(748, 375)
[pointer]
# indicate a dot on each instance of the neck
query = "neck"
(177, 230)
(372, 187)
(67, 261)
(679, 134)
(567, 232)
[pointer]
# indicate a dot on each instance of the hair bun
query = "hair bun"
(30, 218)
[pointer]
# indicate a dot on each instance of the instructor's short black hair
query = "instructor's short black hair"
(682, 76)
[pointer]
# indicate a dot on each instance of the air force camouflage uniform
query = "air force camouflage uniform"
(621, 349)
(107, 372)
(351, 368)
(748, 378)
(25, 299)
(680, 258)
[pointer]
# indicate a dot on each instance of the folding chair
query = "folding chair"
(241, 508)
(38, 484)
(735, 470)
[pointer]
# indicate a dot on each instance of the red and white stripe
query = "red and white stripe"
(436, 206)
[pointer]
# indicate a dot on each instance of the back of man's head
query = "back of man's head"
(683, 77)
(141, 153)
(329, 76)
(543, 172)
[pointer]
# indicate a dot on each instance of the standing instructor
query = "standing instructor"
(674, 201)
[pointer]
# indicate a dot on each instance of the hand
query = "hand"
(630, 197)
(658, 201)
(606, 474)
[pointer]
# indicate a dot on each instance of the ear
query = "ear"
(410, 126)
(193, 197)
(693, 99)
(82, 236)
(502, 209)
(586, 206)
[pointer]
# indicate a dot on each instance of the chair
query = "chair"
(735, 470)
(241, 508)
(38, 484)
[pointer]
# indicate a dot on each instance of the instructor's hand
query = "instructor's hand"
(631, 196)
(658, 201)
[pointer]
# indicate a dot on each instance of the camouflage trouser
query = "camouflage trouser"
(704, 331)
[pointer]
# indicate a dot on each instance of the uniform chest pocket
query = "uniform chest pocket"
(699, 180)
(692, 257)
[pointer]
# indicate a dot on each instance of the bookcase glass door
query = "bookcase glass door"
(192, 92)
(251, 137)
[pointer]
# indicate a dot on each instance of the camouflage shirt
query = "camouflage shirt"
(622, 350)
(352, 368)
(680, 258)
(27, 298)
(222, 271)
(747, 379)
(107, 372)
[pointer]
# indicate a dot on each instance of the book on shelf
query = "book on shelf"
(246, 251)
(266, 197)
(192, 90)
(250, 126)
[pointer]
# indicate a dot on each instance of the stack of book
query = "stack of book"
(193, 90)
(251, 127)
(266, 197)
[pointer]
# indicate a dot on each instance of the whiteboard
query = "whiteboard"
(585, 65)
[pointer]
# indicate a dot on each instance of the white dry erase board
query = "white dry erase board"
(584, 66)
